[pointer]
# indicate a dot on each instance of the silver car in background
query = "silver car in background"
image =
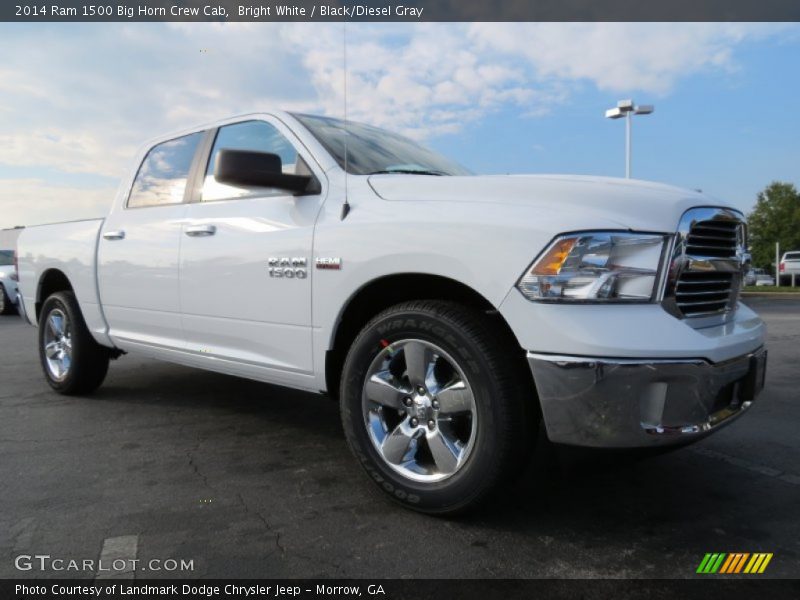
(8, 282)
(760, 278)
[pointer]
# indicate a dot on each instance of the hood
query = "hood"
(630, 203)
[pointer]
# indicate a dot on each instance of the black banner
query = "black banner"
(401, 10)
(403, 589)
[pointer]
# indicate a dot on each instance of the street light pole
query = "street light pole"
(626, 109)
(628, 145)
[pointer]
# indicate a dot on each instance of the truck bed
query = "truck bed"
(70, 247)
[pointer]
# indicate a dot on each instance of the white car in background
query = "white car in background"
(762, 278)
(8, 282)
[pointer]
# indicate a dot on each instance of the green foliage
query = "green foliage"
(775, 218)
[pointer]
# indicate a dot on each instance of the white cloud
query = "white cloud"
(33, 201)
(65, 149)
(431, 81)
(400, 76)
(619, 57)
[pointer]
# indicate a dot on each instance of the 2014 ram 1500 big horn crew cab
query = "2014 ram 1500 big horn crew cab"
(448, 312)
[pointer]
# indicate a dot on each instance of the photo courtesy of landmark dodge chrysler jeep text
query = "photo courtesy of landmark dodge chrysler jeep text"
(448, 312)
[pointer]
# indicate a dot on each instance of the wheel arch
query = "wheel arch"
(51, 281)
(383, 292)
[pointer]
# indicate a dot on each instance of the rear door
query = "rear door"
(245, 264)
(139, 249)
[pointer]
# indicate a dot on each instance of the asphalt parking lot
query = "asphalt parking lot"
(251, 480)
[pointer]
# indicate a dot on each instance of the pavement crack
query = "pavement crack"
(193, 465)
(261, 518)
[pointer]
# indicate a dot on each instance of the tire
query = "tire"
(72, 361)
(6, 306)
(476, 410)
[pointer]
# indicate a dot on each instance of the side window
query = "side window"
(162, 177)
(257, 136)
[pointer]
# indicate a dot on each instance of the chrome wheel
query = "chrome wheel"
(58, 344)
(419, 410)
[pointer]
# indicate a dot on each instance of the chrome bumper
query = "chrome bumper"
(623, 403)
(21, 309)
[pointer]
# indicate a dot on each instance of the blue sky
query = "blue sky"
(729, 132)
(76, 100)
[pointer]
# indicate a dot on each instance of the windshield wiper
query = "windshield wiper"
(407, 172)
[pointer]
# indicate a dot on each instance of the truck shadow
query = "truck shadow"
(678, 501)
(205, 393)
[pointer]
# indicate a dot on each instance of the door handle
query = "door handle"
(201, 230)
(114, 235)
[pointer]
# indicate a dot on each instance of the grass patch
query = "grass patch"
(766, 289)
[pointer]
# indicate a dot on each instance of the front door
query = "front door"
(245, 264)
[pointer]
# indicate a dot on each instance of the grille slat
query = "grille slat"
(709, 305)
(698, 236)
(724, 293)
(718, 247)
(706, 282)
(716, 226)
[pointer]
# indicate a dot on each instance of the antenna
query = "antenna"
(345, 204)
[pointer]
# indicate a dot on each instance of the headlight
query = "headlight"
(596, 267)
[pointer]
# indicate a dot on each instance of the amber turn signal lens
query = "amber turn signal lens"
(550, 263)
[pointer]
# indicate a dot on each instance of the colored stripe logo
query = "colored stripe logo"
(734, 562)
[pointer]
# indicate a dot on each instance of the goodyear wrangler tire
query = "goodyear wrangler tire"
(435, 405)
(72, 361)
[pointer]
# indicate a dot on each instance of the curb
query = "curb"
(776, 295)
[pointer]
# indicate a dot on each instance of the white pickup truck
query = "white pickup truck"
(448, 312)
(790, 266)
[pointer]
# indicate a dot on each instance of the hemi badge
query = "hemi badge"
(329, 263)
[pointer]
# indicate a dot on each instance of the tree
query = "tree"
(775, 218)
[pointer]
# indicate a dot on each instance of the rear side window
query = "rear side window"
(6, 258)
(162, 177)
(792, 256)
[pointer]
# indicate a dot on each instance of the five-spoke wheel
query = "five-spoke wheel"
(58, 344)
(419, 410)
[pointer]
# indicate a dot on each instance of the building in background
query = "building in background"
(8, 238)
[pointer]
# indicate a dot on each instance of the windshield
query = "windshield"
(372, 150)
(6, 258)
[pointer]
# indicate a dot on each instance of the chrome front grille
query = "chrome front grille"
(707, 267)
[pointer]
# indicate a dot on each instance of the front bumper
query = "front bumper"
(624, 403)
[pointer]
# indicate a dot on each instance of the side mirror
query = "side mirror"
(261, 169)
